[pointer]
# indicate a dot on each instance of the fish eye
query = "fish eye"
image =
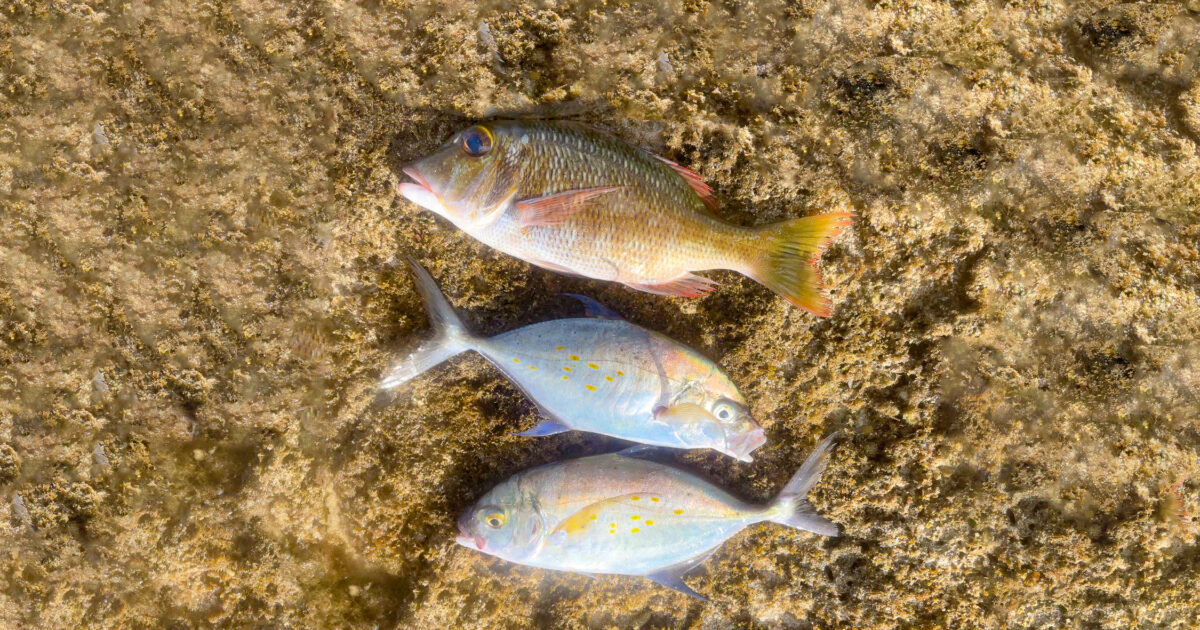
(495, 520)
(724, 410)
(477, 141)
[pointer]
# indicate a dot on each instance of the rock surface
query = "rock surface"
(201, 279)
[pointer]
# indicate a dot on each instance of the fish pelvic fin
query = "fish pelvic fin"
(688, 285)
(451, 337)
(791, 507)
(787, 258)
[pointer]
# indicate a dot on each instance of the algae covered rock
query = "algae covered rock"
(199, 205)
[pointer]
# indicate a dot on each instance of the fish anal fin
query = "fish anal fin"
(688, 285)
(556, 208)
(593, 308)
(694, 180)
(672, 576)
(545, 427)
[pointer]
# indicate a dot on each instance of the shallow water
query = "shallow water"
(201, 279)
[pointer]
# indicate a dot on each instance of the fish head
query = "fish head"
(707, 407)
(471, 178)
(505, 523)
(722, 400)
(742, 433)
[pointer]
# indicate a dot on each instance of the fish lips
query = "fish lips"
(421, 193)
(466, 539)
(740, 446)
(470, 541)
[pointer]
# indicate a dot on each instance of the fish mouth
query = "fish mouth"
(740, 446)
(412, 172)
(465, 538)
(470, 541)
(421, 193)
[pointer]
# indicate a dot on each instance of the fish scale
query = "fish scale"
(577, 201)
(622, 513)
(600, 374)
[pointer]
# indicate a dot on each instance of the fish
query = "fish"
(621, 513)
(574, 200)
(598, 373)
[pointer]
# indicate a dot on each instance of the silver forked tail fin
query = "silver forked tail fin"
(791, 508)
(450, 335)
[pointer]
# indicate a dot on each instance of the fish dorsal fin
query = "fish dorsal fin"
(592, 308)
(672, 576)
(556, 208)
(694, 180)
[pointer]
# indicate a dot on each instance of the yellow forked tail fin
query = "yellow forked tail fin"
(787, 262)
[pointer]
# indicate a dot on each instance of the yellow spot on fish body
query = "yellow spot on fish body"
(593, 517)
(594, 366)
(608, 378)
(635, 517)
(679, 511)
(566, 378)
(560, 347)
(574, 357)
(649, 522)
(654, 498)
(620, 373)
(566, 369)
(533, 367)
(634, 498)
(635, 530)
(516, 360)
(591, 388)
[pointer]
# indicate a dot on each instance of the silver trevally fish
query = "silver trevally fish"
(621, 514)
(600, 374)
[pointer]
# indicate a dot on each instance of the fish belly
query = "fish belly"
(652, 248)
(584, 372)
(616, 514)
(617, 544)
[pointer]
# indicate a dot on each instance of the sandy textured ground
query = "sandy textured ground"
(201, 280)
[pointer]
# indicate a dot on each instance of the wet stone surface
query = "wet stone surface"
(202, 277)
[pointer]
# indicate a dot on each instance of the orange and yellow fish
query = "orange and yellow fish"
(574, 200)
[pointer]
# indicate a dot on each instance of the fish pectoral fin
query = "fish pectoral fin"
(692, 424)
(683, 413)
(694, 180)
(545, 264)
(687, 285)
(545, 427)
(556, 208)
(592, 308)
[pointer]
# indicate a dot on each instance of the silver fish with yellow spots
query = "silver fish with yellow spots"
(600, 374)
(625, 515)
(574, 200)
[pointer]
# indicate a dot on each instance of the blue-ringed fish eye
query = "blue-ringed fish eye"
(495, 520)
(477, 140)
